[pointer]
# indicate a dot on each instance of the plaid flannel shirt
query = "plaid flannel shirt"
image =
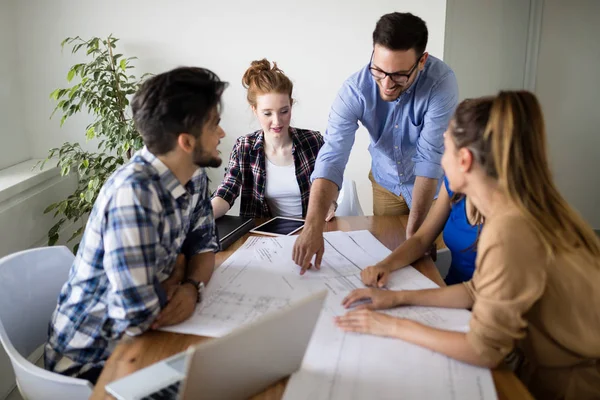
(143, 218)
(246, 172)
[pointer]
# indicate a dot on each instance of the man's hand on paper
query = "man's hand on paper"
(180, 307)
(367, 321)
(307, 245)
(371, 299)
(171, 284)
(376, 275)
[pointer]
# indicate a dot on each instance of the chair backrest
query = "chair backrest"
(444, 259)
(30, 282)
(348, 203)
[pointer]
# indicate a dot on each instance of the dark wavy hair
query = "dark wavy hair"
(175, 102)
(401, 31)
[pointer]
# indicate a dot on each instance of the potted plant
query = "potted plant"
(103, 87)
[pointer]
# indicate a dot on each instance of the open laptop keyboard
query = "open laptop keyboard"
(170, 392)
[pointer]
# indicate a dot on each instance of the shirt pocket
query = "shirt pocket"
(416, 115)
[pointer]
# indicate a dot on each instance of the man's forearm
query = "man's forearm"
(322, 193)
(422, 197)
(201, 266)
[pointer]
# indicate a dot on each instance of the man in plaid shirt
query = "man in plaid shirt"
(150, 240)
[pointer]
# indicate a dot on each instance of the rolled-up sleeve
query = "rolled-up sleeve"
(509, 279)
(230, 187)
(430, 145)
(339, 136)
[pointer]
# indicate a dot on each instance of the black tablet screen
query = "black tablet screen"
(280, 226)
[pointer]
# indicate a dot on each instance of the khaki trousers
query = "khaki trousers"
(385, 202)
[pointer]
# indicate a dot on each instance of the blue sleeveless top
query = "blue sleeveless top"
(459, 236)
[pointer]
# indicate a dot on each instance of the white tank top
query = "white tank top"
(282, 191)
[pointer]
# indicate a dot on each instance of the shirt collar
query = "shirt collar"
(260, 138)
(168, 180)
(258, 143)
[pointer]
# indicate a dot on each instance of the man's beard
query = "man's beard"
(402, 90)
(203, 159)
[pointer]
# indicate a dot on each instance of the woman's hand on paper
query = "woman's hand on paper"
(375, 275)
(370, 322)
(371, 299)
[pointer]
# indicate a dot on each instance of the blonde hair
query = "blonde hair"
(507, 137)
(261, 78)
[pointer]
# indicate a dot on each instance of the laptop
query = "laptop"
(236, 366)
(230, 228)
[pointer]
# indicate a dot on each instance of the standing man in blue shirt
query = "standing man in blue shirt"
(405, 98)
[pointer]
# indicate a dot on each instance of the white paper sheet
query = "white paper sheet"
(261, 277)
(341, 366)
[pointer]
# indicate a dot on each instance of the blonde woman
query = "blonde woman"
(535, 290)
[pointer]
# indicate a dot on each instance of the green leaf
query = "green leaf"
(89, 196)
(52, 239)
(73, 91)
(76, 234)
(50, 208)
(70, 75)
(90, 133)
(123, 64)
(56, 228)
(54, 94)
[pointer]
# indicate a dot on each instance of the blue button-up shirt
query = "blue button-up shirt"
(406, 134)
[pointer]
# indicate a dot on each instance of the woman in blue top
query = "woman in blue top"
(460, 222)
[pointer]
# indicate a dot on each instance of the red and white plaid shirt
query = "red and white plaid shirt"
(246, 171)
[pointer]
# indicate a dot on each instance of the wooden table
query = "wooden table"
(132, 354)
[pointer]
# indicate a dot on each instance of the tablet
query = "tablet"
(279, 226)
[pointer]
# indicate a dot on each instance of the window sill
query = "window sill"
(21, 177)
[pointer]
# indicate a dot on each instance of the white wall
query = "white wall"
(317, 43)
(14, 143)
(568, 86)
(486, 44)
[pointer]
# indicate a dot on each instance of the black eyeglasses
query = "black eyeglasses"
(396, 77)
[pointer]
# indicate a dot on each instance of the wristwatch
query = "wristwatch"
(198, 285)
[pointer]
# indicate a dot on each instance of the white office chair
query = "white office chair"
(348, 203)
(443, 261)
(30, 282)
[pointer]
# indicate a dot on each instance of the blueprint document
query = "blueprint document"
(261, 277)
(339, 365)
